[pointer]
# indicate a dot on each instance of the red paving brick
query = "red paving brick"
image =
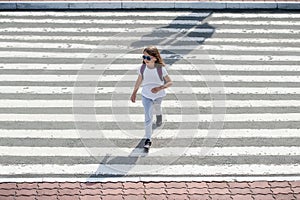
(285, 197)
(91, 186)
(296, 190)
(7, 198)
(90, 192)
(27, 186)
(259, 184)
(131, 191)
(26, 192)
(47, 192)
(178, 197)
(156, 197)
(48, 185)
(241, 197)
(198, 191)
(177, 191)
(238, 185)
(295, 184)
(175, 185)
(25, 198)
(262, 190)
(70, 185)
(279, 184)
(133, 197)
(89, 197)
(196, 184)
(7, 192)
(47, 197)
(241, 191)
(112, 197)
(199, 197)
(297, 196)
(263, 197)
(217, 185)
(133, 185)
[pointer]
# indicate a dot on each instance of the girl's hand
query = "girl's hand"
(133, 97)
(156, 89)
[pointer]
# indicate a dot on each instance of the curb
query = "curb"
(126, 5)
(155, 179)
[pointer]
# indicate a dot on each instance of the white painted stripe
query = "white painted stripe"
(260, 117)
(113, 39)
(166, 103)
(157, 134)
(146, 21)
(28, 54)
(194, 178)
(107, 21)
(128, 90)
(177, 67)
(109, 14)
(179, 170)
(150, 30)
(158, 14)
(175, 78)
(155, 152)
(254, 22)
(260, 40)
(48, 45)
(226, 48)
(256, 15)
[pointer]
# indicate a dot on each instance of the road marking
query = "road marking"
(152, 30)
(59, 46)
(257, 117)
(178, 178)
(155, 152)
(110, 14)
(154, 22)
(175, 78)
(179, 67)
(179, 170)
(253, 44)
(105, 21)
(128, 90)
(132, 38)
(165, 104)
(28, 54)
(158, 134)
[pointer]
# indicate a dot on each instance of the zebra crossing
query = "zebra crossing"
(66, 80)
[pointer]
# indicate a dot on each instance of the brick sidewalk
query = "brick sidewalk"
(261, 190)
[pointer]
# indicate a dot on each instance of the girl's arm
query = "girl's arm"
(168, 83)
(136, 88)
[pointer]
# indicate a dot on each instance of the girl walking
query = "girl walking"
(155, 80)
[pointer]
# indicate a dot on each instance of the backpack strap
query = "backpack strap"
(159, 71)
(142, 69)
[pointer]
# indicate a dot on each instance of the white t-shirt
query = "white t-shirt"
(150, 80)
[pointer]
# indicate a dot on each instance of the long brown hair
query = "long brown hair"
(153, 51)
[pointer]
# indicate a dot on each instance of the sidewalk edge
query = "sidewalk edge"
(154, 179)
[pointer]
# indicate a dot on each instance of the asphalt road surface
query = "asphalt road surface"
(66, 80)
